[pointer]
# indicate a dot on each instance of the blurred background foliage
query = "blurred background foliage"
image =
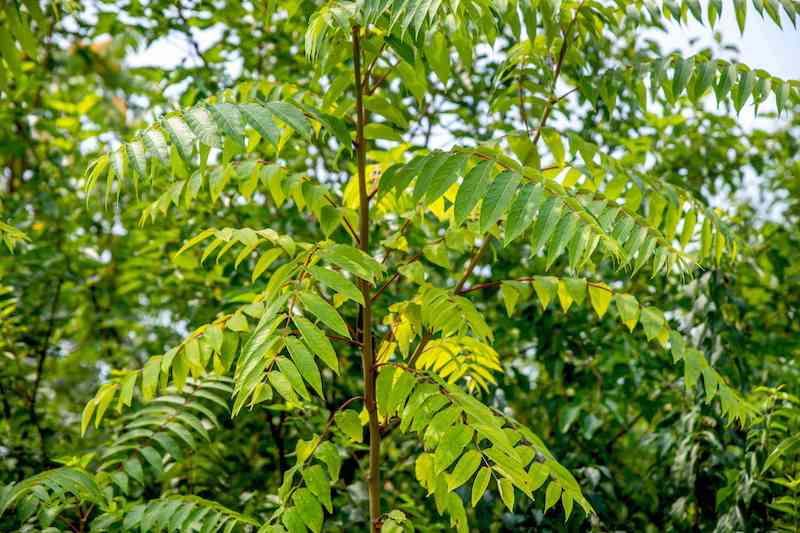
(86, 290)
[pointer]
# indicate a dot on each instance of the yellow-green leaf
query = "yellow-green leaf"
(600, 296)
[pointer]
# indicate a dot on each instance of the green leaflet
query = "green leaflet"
(426, 174)
(263, 330)
(389, 179)
(325, 312)
(480, 484)
(261, 120)
(726, 81)
(337, 282)
(510, 296)
(450, 448)
(382, 106)
(464, 469)
(506, 490)
(329, 219)
(156, 144)
(526, 204)
(497, 198)
(438, 55)
(127, 388)
(689, 222)
(289, 370)
(9, 53)
(229, 120)
(381, 131)
(317, 342)
(781, 95)
(203, 126)
(349, 422)
(181, 136)
(293, 117)
(445, 176)
(401, 178)
(744, 89)
(740, 7)
(552, 494)
(578, 247)
(600, 296)
(336, 126)
(319, 484)
(150, 377)
(282, 384)
(652, 321)
(703, 79)
(203, 235)
(264, 262)
(683, 69)
(471, 190)
(628, 308)
(20, 27)
(309, 509)
(545, 224)
(304, 361)
(564, 232)
(352, 260)
(383, 388)
(400, 392)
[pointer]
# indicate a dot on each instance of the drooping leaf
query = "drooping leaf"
(325, 312)
(350, 424)
(526, 204)
(498, 198)
(293, 117)
(317, 342)
(471, 190)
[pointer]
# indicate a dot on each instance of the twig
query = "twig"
(473, 263)
(45, 347)
(344, 339)
(380, 80)
(394, 277)
(371, 66)
(522, 112)
(548, 108)
(350, 229)
(423, 342)
(497, 283)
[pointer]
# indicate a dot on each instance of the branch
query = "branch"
(426, 337)
(367, 353)
(370, 68)
(345, 340)
(548, 108)
(346, 222)
(522, 112)
(497, 283)
(473, 263)
(394, 277)
(380, 80)
(45, 347)
(423, 342)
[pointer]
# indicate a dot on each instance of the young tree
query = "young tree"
(378, 281)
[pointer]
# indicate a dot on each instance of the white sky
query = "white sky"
(763, 45)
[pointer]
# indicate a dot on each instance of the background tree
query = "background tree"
(580, 147)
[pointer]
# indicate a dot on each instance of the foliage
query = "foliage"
(315, 287)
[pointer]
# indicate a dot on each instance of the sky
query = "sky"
(763, 44)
